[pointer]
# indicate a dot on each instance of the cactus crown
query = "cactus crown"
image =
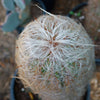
(56, 57)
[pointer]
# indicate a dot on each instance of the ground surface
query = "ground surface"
(7, 45)
(7, 63)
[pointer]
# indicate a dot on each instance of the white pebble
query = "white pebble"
(82, 17)
(22, 89)
(75, 14)
(98, 30)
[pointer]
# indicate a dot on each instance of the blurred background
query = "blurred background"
(7, 64)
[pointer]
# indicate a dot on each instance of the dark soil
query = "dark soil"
(21, 93)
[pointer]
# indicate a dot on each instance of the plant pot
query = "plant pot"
(24, 94)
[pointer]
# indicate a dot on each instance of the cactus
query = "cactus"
(8, 4)
(12, 21)
(55, 58)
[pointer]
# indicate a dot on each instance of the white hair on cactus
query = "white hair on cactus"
(55, 57)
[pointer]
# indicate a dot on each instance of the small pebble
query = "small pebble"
(22, 89)
(98, 30)
(82, 17)
(75, 14)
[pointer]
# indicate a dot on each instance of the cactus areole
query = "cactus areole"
(55, 58)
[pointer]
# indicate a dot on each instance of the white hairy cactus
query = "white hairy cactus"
(55, 58)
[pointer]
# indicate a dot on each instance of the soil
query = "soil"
(23, 94)
(20, 93)
(7, 50)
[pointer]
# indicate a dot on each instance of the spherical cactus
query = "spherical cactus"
(92, 18)
(55, 58)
